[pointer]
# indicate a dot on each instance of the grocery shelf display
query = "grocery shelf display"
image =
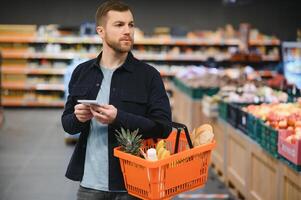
(36, 58)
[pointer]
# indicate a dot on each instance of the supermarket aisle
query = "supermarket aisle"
(33, 156)
(33, 159)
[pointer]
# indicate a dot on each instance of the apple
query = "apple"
(282, 124)
(298, 123)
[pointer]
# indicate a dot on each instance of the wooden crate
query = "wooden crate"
(186, 110)
(219, 153)
(290, 183)
(263, 174)
(237, 162)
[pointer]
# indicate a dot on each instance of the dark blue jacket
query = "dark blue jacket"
(138, 93)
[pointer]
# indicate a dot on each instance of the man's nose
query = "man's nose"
(127, 29)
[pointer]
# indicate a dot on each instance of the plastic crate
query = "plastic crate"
(195, 93)
(291, 152)
(254, 127)
(269, 139)
(232, 115)
(182, 171)
(222, 110)
(242, 118)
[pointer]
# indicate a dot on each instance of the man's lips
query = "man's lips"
(126, 39)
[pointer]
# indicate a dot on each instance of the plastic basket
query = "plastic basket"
(269, 140)
(163, 179)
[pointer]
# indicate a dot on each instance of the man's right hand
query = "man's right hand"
(82, 112)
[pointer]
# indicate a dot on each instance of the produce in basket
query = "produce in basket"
(129, 141)
(202, 135)
(162, 152)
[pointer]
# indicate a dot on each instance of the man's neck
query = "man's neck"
(112, 59)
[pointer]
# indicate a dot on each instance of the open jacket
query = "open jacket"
(138, 93)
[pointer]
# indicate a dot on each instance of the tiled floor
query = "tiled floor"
(33, 159)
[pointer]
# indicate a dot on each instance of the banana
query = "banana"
(165, 154)
(160, 144)
(160, 152)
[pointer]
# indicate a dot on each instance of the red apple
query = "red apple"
(282, 124)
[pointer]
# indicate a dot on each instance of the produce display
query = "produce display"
(283, 116)
(197, 77)
(249, 93)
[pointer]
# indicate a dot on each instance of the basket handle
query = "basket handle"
(179, 127)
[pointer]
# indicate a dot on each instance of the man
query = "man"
(131, 95)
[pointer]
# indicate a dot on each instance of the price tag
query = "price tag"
(244, 120)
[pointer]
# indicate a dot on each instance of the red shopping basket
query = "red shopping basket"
(182, 171)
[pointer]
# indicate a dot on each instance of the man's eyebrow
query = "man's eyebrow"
(131, 22)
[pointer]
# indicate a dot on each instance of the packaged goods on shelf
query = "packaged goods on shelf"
(49, 49)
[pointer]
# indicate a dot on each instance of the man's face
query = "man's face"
(118, 31)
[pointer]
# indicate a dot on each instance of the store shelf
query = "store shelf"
(27, 86)
(139, 41)
(264, 43)
(34, 57)
(41, 71)
(17, 39)
(141, 56)
(12, 54)
(26, 103)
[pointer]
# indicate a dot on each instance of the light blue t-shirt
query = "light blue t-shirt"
(96, 168)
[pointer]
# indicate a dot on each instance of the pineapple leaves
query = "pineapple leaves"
(130, 142)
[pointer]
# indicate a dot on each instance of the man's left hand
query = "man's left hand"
(106, 114)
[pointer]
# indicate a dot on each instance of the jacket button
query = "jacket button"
(97, 84)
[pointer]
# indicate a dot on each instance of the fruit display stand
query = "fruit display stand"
(240, 161)
(186, 109)
(219, 153)
(248, 170)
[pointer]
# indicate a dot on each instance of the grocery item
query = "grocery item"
(162, 152)
(152, 154)
(130, 141)
(202, 135)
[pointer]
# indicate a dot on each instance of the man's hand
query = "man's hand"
(82, 112)
(106, 114)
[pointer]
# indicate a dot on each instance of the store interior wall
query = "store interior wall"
(280, 18)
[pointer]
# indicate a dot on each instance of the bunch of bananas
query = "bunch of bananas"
(161, 150)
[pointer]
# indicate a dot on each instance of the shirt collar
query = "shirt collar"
(127, 65)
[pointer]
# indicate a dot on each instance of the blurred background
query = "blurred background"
(235, 64)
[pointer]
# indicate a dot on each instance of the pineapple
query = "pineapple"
(130, 141)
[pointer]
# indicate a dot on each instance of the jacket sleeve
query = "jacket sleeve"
(157, 122)
(69, 121)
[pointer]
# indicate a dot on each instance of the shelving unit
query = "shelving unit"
(34, 65)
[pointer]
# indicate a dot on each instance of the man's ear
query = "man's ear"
(100, 31)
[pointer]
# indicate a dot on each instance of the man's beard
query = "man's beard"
(118, 47)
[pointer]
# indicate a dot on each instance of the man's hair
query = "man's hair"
(105, 7)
